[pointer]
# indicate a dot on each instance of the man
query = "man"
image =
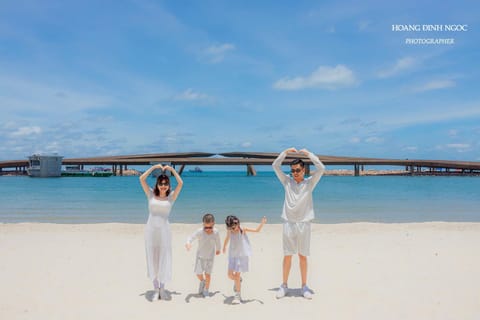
(297, 214)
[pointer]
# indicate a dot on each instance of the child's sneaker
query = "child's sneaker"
(306, 292)
(237, 299)
(282, 291)
(156, 295)
(201, 287)
(205, 293)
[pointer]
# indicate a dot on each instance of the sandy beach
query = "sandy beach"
(357, 271)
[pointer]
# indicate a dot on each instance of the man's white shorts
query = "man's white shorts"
(203, 265)
(296, 238)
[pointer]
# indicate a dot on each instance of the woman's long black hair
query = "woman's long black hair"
(161, 178)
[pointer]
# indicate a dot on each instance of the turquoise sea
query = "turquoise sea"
(336, 199)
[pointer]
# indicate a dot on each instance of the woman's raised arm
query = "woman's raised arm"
(144, 176)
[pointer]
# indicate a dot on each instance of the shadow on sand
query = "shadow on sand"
(199, 296)
(229, 300)
(149, 295)
(292, 292)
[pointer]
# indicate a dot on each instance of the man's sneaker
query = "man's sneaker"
(282, 291)
(237, 299)
(201, 287)
(163, 294)
(205, 293)
(156, 295)
(306, 292)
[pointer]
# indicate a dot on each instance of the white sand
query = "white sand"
(358, 271)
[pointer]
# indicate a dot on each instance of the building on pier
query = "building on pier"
(44, 165)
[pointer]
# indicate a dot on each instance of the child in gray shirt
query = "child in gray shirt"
(208, 246)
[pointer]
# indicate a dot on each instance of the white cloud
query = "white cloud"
(217, 53)
(355, 140)
(458, 146)
(23, 94)
(26, 131)
(53, 147)
(435, 85)
(410, 148)
(246, 144)
(324, 78)
(431, 114)
(364, 25)
(173, 142)
(374, 140)
(402, 65)
(78, 138)
(331, 29)
(452, 132)
(190, 95)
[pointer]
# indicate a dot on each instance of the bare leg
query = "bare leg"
(235, 276)
(303, 269)
(207, 280)
(200, 277)
(287, 264)
(237, 281)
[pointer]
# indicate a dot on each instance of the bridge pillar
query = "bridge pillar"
(181, 169)
(251, 170)
(356, 170)
(307, 169)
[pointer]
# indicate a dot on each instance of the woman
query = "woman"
(158, 237)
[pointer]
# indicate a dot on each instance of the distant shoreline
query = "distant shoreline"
(347, 172)
(336, 172)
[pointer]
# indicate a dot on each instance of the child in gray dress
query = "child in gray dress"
(239, 252)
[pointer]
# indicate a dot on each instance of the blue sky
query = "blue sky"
(92, 78)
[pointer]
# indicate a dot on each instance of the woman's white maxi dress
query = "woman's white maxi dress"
(158, 238)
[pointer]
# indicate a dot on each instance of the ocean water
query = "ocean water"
(336, 199)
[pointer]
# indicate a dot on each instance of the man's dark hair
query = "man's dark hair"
(298, 161)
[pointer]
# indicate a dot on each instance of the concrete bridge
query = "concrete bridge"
(250, 159)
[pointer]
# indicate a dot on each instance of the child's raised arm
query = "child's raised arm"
(260, 226)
